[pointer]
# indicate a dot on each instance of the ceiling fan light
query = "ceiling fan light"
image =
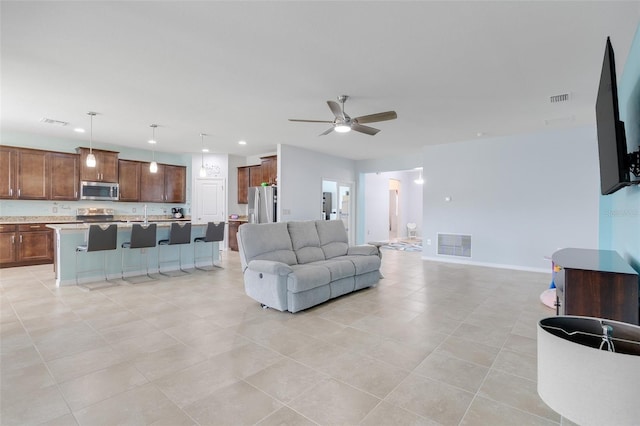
(153, 167)
(91, 160)
(342, 128)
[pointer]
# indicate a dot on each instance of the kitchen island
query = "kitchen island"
(68, 236)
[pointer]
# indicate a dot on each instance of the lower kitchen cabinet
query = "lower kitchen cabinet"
(25, 244)
(233, 234)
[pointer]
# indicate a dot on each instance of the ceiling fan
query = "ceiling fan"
(343, 123)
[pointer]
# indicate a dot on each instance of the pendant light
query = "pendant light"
(153, 167)
(91, 159)
(203, 171)
(419, 181)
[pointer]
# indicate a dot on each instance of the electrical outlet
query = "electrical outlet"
(133, 210)
(428, 241)
(54, 210)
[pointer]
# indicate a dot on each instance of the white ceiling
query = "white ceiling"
(239, 70)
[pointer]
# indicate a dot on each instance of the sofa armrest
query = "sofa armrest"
(270, 267)
(363, 250)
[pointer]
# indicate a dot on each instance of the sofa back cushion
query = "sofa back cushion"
(333, 238)
(305, 241)
(266, 241)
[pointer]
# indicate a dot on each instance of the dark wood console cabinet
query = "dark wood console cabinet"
(596, 283)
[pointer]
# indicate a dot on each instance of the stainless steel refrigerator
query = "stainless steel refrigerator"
(263, 204)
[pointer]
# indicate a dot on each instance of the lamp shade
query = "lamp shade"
(586, 384)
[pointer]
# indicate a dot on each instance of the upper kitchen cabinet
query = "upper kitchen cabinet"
(255, 175)
(175, 184)
(106, 169)
(167, 185)
(24, 174)
(243, 184)
(64, 172)
(269, 168)
(129, 180)
(8, 165)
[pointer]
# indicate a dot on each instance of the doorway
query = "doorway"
(394, 208)
(337, 204)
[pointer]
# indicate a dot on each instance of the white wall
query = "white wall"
(300, 181)
(520, 197)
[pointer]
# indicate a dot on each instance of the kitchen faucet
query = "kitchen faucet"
(145, 215)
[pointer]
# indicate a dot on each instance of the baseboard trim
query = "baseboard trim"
(448, 259)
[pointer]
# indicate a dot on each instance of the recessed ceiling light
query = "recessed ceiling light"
(151, 141)
(205, 149)
(78, 130)
(480, 134)
(242, 142)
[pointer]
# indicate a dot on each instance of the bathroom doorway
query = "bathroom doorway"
(394, 208)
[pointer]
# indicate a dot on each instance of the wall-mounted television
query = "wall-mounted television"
(615, 162)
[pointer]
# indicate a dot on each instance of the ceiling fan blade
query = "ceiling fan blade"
(364, 129)
(373, 118)
(335, 109)
(326, 132)
(310, 121)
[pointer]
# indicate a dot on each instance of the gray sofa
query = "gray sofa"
(291, 266)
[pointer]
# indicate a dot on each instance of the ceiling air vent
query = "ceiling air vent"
(454, 245)
(54, 122)
(564, 97)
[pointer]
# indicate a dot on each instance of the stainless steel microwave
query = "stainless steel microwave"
(99, 191)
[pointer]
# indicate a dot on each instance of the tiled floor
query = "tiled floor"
(433, 343)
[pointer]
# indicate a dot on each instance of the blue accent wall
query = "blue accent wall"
(619, 223)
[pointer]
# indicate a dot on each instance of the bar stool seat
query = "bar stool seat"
(179, 234)
(214, 233)
(99, 238)
(142, 236)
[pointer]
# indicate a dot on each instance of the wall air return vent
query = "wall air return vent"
(454, 245)
(563, 97)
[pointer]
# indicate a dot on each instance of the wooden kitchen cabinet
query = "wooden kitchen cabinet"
(129, 180)
(23, 174)
(64, 175)
(25, 244)
(255, 175)
(175, 184)
(8, 165)
(106, 169)
(233, 234)
(167, 185)
(151, 184)
(269, 168)
(7, 244)
(243, 185)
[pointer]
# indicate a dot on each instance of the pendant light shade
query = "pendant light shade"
(203, 171)
(153, 167)
(91, 159)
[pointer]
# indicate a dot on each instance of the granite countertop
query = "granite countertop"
(19, 220)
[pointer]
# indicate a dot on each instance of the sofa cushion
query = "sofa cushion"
(305, 241)
(338, 268)
(333, 238)
(306, 277)
(363, 264)
(267, 241)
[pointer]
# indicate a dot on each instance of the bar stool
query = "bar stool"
(98, 239)
(142, 236)
(179, 234)
(214, 233)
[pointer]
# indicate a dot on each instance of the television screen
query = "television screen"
(612, 144)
